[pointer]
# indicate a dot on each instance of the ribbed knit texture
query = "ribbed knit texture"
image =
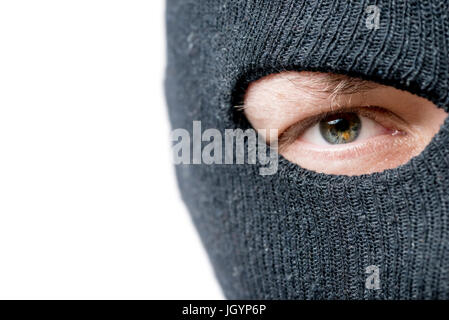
(300, 234)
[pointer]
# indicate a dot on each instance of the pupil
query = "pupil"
(340, 128)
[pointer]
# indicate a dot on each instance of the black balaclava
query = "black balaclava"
(299, 234)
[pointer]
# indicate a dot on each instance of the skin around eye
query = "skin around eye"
(364, 130)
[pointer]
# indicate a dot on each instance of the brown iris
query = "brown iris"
(340, 128)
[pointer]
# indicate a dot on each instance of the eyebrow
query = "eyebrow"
(343, 85)
(336, 85)
(331, 84)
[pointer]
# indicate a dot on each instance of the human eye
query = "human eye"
(349, 140)
(348, 127)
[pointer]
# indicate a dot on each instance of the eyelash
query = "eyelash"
(292, 133)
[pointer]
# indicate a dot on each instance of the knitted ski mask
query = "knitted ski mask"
(298, 234)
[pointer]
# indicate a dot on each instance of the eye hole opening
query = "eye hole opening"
(359, 131)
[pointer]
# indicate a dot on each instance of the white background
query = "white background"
(89, 206)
